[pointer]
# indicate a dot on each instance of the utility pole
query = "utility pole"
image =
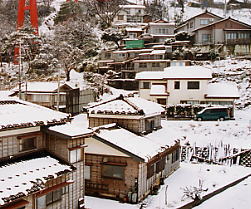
(58, 92)
(20, 70)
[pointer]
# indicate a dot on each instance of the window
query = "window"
(146, 85)
(175, 155)
(150, 170)
(155, 64)
(113, 171)
(142, 65)
(191, 24)
(205, 38)
(161, 101)
(193, 85)
(232, 35)
(87, 172)
(121, 55)
(176, 85)
(204, 21)
(53, 196)
(161, 31)
(40, 98)
(65, 190)
(27, 144)
(160, 165)
(159, 57)
(149, 125)
(120, 17)
(75, 155)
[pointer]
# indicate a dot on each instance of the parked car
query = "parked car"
(214, 113)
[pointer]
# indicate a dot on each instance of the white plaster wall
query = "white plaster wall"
(96, 147)
(185, 94)
(19, 131)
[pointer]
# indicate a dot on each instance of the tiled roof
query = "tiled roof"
(15, 113)
(20, 178)
(127, 106)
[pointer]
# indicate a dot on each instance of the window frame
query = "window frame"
(177, 85)
(204, 21)
(146, 85)
(207, 39)
(21, 144)
(189, 83)
(142, 65)
(77, 157)
(107, 171)
(56, 195)
(87, 176)
(155, 64)
(175, 155)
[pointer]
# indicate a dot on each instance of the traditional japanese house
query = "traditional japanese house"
(129, 154)
(33, 173)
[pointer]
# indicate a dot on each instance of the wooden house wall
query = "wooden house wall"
(130, 124)
(155, 180)
(66, 198)
(10, 145)
(57, 146)
(62, 147)
(133, 125)
(110, 187)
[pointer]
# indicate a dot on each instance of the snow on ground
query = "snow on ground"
(236, 132)
(212, 176)
(235, 197)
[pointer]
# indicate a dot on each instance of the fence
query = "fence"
(221, 154)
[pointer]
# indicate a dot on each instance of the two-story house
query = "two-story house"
(63, 96)
(130, 14)
(129, 154)
(198, 21)
(184, 85)
(159, 30)
(226, 31)
(37, 171)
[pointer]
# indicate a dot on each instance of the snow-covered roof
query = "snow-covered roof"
(160, 23)
(132, 51)
(15, 113)
(134, 29)
(158, 90)
(157, 75)
(78, 127)
(177, 72)
(191, 72)
(222, 90)
(140, 61)
(22, 178)
(158, 51)
(132, 6)
(40, 86)
(127, 106)
(161, 46)
(142, 147)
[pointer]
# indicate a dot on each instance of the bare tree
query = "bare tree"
(105, 10)
(194, 192)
